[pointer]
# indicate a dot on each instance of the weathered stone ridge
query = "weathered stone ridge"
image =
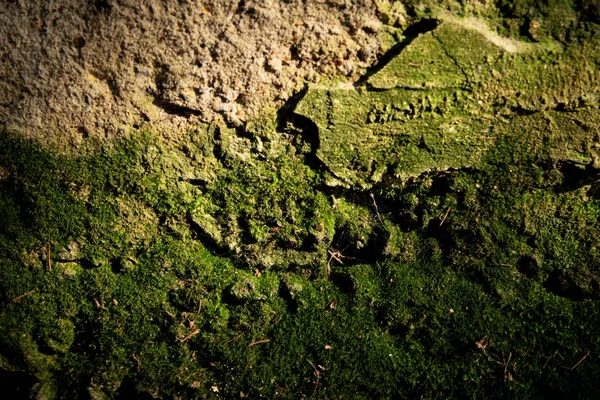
(440, 103)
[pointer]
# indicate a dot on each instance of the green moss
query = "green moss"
(430, 234)
(500, 271)
(434, 107)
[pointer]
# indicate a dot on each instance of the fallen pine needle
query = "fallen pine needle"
(23, 295)
(580, 361)
(49, 261)
(137, 360)
(233, 339)
(197, 331)
(445, 216)
(259, 342)
(546, 363)
(376, 208)
(317, 375)
(507, 374)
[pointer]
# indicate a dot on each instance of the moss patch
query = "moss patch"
(430, 234)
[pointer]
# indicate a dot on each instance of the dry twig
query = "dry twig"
(48, 257)
(317, 374)
(580, 361)
(507, 374)
(445, 216)
(194, 333)
(259, 342)
(199, 308)
(335, 255)
(376, 208)
(137, 360)
(23, 295)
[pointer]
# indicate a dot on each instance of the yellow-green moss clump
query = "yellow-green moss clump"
(429, 233)
(443, 102)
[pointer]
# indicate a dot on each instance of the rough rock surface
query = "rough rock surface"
(73, 70)
(443, 102)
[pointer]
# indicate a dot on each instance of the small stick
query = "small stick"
(259, 342)
(197, 331)
(49, 261)
(137, 360)
(199, 308)
(23, 295)
(580, 361)
(376, 208)
(506, 373)
(317, 374)
(336, 255)
(445, 216)
(233, 339)
(97, 303)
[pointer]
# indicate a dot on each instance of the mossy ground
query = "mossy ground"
(230, 266)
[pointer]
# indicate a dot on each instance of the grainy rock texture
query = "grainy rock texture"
(72, 70)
